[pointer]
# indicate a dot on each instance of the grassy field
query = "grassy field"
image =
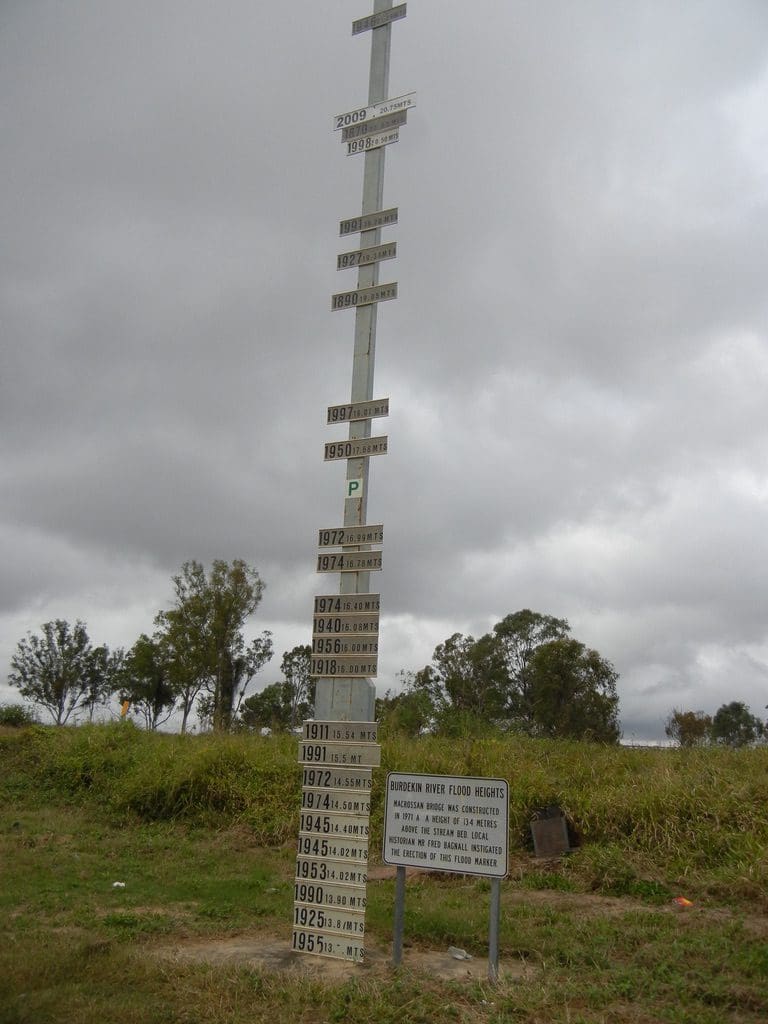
(201, 831)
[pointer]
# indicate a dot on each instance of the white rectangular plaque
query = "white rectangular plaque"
(338, 801)
(341, 947)
(365, 257)
(375, 126)
(344, 826)
(349, 922)
(331, 777)
(351, 117)
(349, 561)
(354, 411)
(368, 221)
(364, 296)
(327, 894)
(334, 871)
(372, 21)
(345, 645)
(337, 625)
(341, 536)
(368, 142)
(336, 666)
(348, 732)
(346, 604)
(447, 823)
(356, 448)
(332, 848)
(349, 755)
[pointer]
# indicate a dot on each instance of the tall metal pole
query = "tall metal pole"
(355, 699)
(338, 750)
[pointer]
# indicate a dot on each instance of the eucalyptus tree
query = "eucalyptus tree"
(203, 636)
(61, 671)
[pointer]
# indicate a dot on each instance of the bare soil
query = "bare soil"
(267, 952)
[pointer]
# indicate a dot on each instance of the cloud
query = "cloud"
(576, 361)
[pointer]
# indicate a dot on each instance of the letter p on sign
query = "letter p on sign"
(355, 488)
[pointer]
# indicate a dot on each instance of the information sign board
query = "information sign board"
(356, 448)
(337, 871)
(351, 117)
(349, 561)
(375, 126)
(354, 411)
(341, 667)
(364, 296)
(377, 20)
(341, 947)
(368, 221)
(365, 257)
(335, 800)
(446, 823)
(330, 777)
(351, 755)
(345, 536)
(345, 645)
(346, 604)
(350, 732)
(369, 142)
(332, 848)
(324, 894)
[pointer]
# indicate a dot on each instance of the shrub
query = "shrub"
(16, 716)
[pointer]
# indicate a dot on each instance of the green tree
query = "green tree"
(106, 667)
(269, 708)
(471, 675)
(283, 705)
(205, 632)
(734, 725)
(688, 728)
(300, 687)
(60, 670)
(411, 711)
(527, 674)
(17, 716)
(182, 634)
(146, 682)
(573, 693)
(519, 636)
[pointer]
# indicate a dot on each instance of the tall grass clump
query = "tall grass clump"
(644, 819)
(219, 780)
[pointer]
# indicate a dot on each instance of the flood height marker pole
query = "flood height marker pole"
(338, 750)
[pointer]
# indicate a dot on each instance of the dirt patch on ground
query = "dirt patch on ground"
(264, 952)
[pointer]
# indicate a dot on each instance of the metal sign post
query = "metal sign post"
(338, 756)
(447, 823)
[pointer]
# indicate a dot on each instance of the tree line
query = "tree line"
(196, 659)
(732, 725)
(528, 675)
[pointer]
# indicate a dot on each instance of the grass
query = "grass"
(201, 833)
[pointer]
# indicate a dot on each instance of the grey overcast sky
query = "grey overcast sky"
(577, 363)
